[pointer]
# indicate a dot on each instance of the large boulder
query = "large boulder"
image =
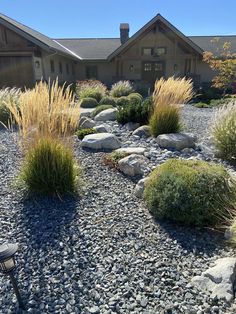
(139, 188)
(142, 131)
(86, 123)
(106, 115)
(176, 141)
(101, 128)
(133, 165)
(101, 141)
(218, 280)
(131, 150)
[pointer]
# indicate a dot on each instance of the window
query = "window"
(52, 66)
(147, 51)
(73, 69)
(60, 67)
(160, 51)
(67, 69)
(158, 67)
(91, 72)
(147, 67)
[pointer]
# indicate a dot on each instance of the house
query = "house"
(157, 50)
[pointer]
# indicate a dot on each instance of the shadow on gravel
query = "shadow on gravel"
(46, 225)
(194, 240)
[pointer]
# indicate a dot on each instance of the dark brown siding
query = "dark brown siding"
(16, 71)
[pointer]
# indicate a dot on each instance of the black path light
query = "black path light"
(8, 264)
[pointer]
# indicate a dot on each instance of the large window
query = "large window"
(67, 69)
(148, 51)
(91, 72)
(160, 51)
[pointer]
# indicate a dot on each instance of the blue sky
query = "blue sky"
(101, 18)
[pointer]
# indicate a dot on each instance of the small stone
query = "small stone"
(94, 310)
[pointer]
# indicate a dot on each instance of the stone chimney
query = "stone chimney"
(124, 32)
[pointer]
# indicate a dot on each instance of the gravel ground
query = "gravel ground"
(102, 252)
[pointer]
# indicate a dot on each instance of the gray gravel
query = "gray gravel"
(102, 252)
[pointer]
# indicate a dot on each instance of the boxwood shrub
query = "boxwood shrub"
(135, 98)
(88, 103)
(108, 101)
(190, 192)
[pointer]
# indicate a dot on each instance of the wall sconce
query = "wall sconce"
(8, 264)
(131, 68)
(37, 64)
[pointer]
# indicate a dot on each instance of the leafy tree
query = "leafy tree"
(224, 63)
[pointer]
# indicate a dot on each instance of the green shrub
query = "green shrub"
(224, 132)
(122, 101)
(201, 105)
(137, 113)
(90, 88)
(12, 96)
(83, 132)
(88, 103)
(191, 192)
(99, 109)
(108, 101)
(220, 102)
(49, 168)
(121, 88)
(135, 98)
(164, 120)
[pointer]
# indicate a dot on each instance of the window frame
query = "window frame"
(60, 67)
(88, 76)
(147, 55)
(161, 54)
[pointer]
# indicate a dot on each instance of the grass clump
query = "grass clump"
(122, 101)
(99, 109)
(46, 111)
(88, 103)
(113, 159)
(224, 132)
(83, 132)
(107, 100)
(121, 88)
(91, 88)
(168, 97)
(9, 95)
(190, 192)
(135, 98)
(49, 168)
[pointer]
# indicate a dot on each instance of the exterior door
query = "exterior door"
(153, 70)
(16, 71)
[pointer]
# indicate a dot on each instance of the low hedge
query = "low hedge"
(88, 103)
(190, 192)
(107, 101)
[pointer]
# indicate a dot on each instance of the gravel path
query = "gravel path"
(103, 252)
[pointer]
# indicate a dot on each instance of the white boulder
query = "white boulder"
(142, 131)
(131, 150)
(86, 123)
(176, 141)
(101, 141)
(133, 165)
(101, 128)
(139, 188)
(106, 115)
(219, 280)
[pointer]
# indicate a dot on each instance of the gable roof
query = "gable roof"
(91, 48)
(205, 42)
(157, 18)
(36, 37)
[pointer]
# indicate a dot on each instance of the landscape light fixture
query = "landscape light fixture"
(8, 264)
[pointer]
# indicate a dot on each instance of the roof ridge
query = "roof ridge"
(88, 38)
